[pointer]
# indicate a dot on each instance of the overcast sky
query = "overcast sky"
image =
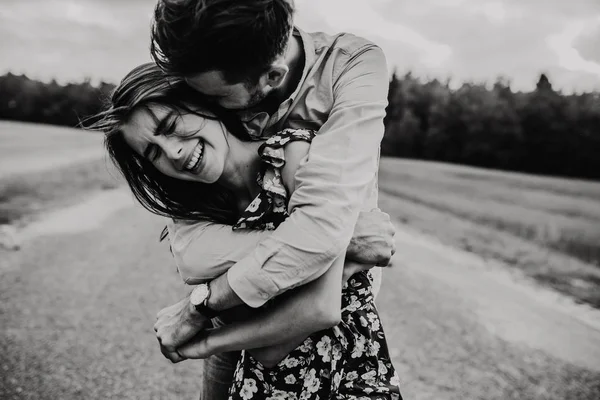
(465, 40)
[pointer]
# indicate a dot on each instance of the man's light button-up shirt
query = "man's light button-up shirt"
(343, 95)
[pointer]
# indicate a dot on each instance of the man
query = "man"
(247, 56)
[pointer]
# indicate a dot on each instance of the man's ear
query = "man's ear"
(276, 74)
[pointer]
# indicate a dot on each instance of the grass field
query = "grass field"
(33, 148)
(547, 227)
(43, 167)
(25, 196)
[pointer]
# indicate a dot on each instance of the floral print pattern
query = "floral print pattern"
(269, 208)
(348, 362)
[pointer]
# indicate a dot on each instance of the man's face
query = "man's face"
(236, 96)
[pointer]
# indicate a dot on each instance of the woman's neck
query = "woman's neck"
(241, 169)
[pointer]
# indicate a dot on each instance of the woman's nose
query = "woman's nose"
(173, 149)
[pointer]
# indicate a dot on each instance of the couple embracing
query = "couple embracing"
(260, 143)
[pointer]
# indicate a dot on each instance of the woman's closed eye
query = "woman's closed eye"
(167, 125)
(152, 152)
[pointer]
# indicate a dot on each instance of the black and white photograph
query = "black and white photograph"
(300, 199)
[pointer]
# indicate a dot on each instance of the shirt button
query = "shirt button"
(263, 295)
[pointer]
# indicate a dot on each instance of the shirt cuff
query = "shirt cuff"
(254, 289)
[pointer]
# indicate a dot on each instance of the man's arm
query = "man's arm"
(332, 187)
(271, 333)
(204, 250)
(331, 190)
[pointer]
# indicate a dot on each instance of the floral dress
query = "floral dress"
(349, 361)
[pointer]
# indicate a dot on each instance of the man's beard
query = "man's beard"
(257, 97)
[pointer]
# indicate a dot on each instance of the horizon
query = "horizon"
(465, 41)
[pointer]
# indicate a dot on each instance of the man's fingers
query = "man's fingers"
(170, 353)
(168, 345)
(172, 356)
(175, 357)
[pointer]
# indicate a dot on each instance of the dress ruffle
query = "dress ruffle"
(269, 207)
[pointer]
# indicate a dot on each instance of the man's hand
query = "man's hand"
(373, 239)
(177, 324)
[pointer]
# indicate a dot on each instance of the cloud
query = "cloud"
(569, 57)
(360, 17)
(468, 40)
(588, 42)
(496, 38)
(70, 40)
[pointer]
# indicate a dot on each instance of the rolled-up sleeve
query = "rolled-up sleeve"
(331, 186)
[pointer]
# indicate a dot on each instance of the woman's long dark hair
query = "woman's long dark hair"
(143, 87)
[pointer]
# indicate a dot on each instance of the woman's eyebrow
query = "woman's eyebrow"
(166, 125)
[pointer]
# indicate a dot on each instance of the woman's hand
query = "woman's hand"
(200, 347)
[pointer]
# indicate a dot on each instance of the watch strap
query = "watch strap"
(205, 310)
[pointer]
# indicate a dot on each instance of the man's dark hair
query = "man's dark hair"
(241, 38)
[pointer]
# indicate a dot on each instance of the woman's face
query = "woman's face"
(187, 146)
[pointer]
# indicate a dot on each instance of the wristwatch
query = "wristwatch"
(199, 299)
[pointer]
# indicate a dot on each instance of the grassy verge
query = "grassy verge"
(24, 196)
(548, 228)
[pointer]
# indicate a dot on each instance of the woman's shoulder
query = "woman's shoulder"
(277, 148)
(288, 135)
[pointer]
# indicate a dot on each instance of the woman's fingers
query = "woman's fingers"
(195, 348)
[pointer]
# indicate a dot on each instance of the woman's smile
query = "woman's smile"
(183, 146)
(193, 165)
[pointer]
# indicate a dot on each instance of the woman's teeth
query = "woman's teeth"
(196, 156)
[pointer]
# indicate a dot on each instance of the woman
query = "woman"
(189, 162)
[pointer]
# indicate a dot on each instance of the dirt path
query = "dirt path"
(507, 305)
(77, 307)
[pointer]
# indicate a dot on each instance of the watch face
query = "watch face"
(199, 294)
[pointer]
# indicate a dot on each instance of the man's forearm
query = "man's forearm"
(371, 244)
(205, 250)
(222, 297)
(314, 307)
(337, 181)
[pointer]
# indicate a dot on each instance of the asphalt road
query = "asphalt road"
(77, 308)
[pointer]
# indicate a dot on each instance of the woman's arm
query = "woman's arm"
(280, 345)
(274, 332)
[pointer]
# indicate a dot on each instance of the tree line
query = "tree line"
(29, 100)
(542, 131)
